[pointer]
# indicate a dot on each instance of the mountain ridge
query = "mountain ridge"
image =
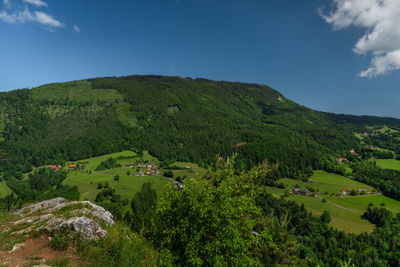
(174, 118)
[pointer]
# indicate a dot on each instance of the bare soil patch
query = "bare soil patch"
(37, 251)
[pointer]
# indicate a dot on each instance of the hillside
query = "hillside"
(305, 188)
(184, 119)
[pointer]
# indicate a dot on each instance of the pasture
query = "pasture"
(190, 170)
(327, 183)
(345, 211)
(127, 186)
(4, 189)
(388, 164)
(79, 91)
(88, 179)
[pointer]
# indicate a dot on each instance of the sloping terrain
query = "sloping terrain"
(184, 119)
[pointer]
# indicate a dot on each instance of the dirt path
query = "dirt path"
(344, 208)
(37, 251)
(363, 195)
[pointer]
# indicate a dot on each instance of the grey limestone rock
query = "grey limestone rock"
(83, 217)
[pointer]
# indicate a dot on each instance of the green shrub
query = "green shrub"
(59, 262)
(120, 248)
(60, 241)
(206, 225)
(168, 173)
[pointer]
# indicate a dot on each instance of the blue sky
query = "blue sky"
(310, 56)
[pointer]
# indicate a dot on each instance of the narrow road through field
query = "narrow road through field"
(344, 208)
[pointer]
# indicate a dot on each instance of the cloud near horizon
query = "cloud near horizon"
(381, 19)
(25, 15)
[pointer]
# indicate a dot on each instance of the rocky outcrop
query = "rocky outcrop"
(58, 214)
(44, 205)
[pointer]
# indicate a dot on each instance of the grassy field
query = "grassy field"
(345, 211)
(327, 182)
(385, 129)
(127, 186)
(191, 170)
(4, 189)
(92, 163)
(79, 91)
(388, 164)
(87, 179)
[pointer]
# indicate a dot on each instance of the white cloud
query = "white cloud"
(47, 19)
(381, 19)
(38, 3)
(76, 28)
(25, 15)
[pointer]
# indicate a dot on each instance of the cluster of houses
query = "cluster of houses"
(300, 191)
(353, 152)
(347, 192)
(57, 167)
(306, 192)
(145, 169)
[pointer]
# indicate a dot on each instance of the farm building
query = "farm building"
(54, 167)
(304, 192)
(353, 152)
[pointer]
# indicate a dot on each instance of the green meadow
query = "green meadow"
(127, 186)
(4, 189)
(345, 211)
(190, 170)
(92, 163)
(388, 164)
(327, 183)
(88, 179)
(79, 91)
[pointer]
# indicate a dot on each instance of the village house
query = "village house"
(72, 166)
(149, 169)
(303, 192)
(343, 193)
(342, 160)
(353, 152)
(54, 167)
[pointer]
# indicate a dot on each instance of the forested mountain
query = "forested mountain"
(173, 118)
(228, 216)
